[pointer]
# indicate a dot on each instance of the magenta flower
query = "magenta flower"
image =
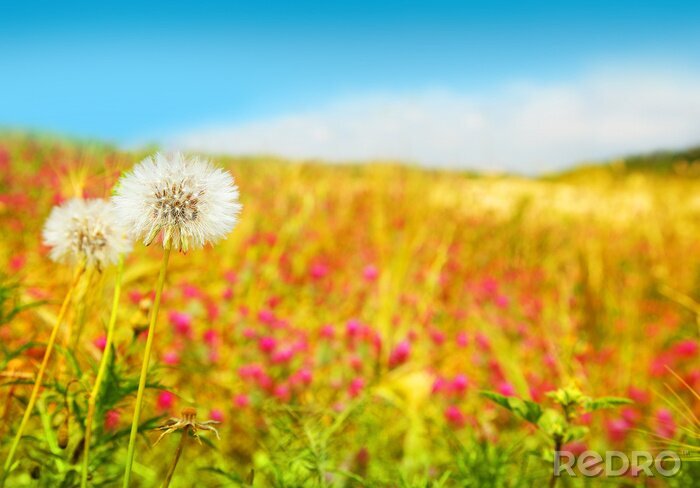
(665, 425)
(305, 376)
(637, 395)
(483, 342)
(439, 385)
(266, 316)
(165, 400)
(100, 342)
(318, 271)
(112, 418)
(250, 371)
(327, 331)
(17, 262)
(686, 349)
(502, 301)
(460, 384)
(135, 296)
(617, 429)
(181, 322)
(353, 328)
(400, 354)
(437, 336)
(216, 415)
(230, 277)
(213, 311)
(283, 355)
(241, 401)
(171, 358)
(454, 416)
(370, 273)
(211, 337)
(191, 291)
(282, 392)
(267, 344)
(356, 386)
(505, 389)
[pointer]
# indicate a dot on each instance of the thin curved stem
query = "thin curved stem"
(40, 375)
(180, 446)
(101, 372)
(76, 326)
(144, 369)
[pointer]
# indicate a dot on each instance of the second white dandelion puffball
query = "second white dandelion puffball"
(85, 231)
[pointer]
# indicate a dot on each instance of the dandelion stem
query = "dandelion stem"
(180, 446)
(101, 372)
(144, 369)
(40, 375)
(79, 322)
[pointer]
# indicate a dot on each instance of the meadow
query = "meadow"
(364, 325)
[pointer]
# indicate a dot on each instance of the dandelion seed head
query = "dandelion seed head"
(187, 422)
(85, 230)
(185, 200)
(189, 413)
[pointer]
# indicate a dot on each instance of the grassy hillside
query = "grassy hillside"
(345, 332)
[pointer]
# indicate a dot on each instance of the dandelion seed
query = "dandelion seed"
(85, 230)
(185, 200)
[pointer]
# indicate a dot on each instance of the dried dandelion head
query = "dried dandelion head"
(187, 421)
(85, 231)
(185, 200)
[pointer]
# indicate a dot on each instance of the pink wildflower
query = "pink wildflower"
(181, 322)
(399, 355)
(165, 400)
(100, 342)
(454, 416)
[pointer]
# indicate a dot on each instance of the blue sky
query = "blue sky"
(246, 71)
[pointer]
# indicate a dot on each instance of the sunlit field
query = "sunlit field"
(370, 325)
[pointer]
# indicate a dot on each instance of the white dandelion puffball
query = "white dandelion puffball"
(185, 200)
(85, 231)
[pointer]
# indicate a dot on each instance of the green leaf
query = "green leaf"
(605, 402)
(229, 475)
(575, 433)
(525, 409)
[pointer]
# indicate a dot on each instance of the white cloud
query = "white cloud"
(524, 127)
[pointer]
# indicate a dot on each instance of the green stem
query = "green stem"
(101, 372)
(557, 448)
(72, 338)
(40, 376)
(144, 370)
(180, 446)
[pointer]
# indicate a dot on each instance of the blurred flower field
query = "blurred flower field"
(344, 333)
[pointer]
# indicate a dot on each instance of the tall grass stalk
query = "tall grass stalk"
(92, 402)
(144, 369)
(40, 375)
